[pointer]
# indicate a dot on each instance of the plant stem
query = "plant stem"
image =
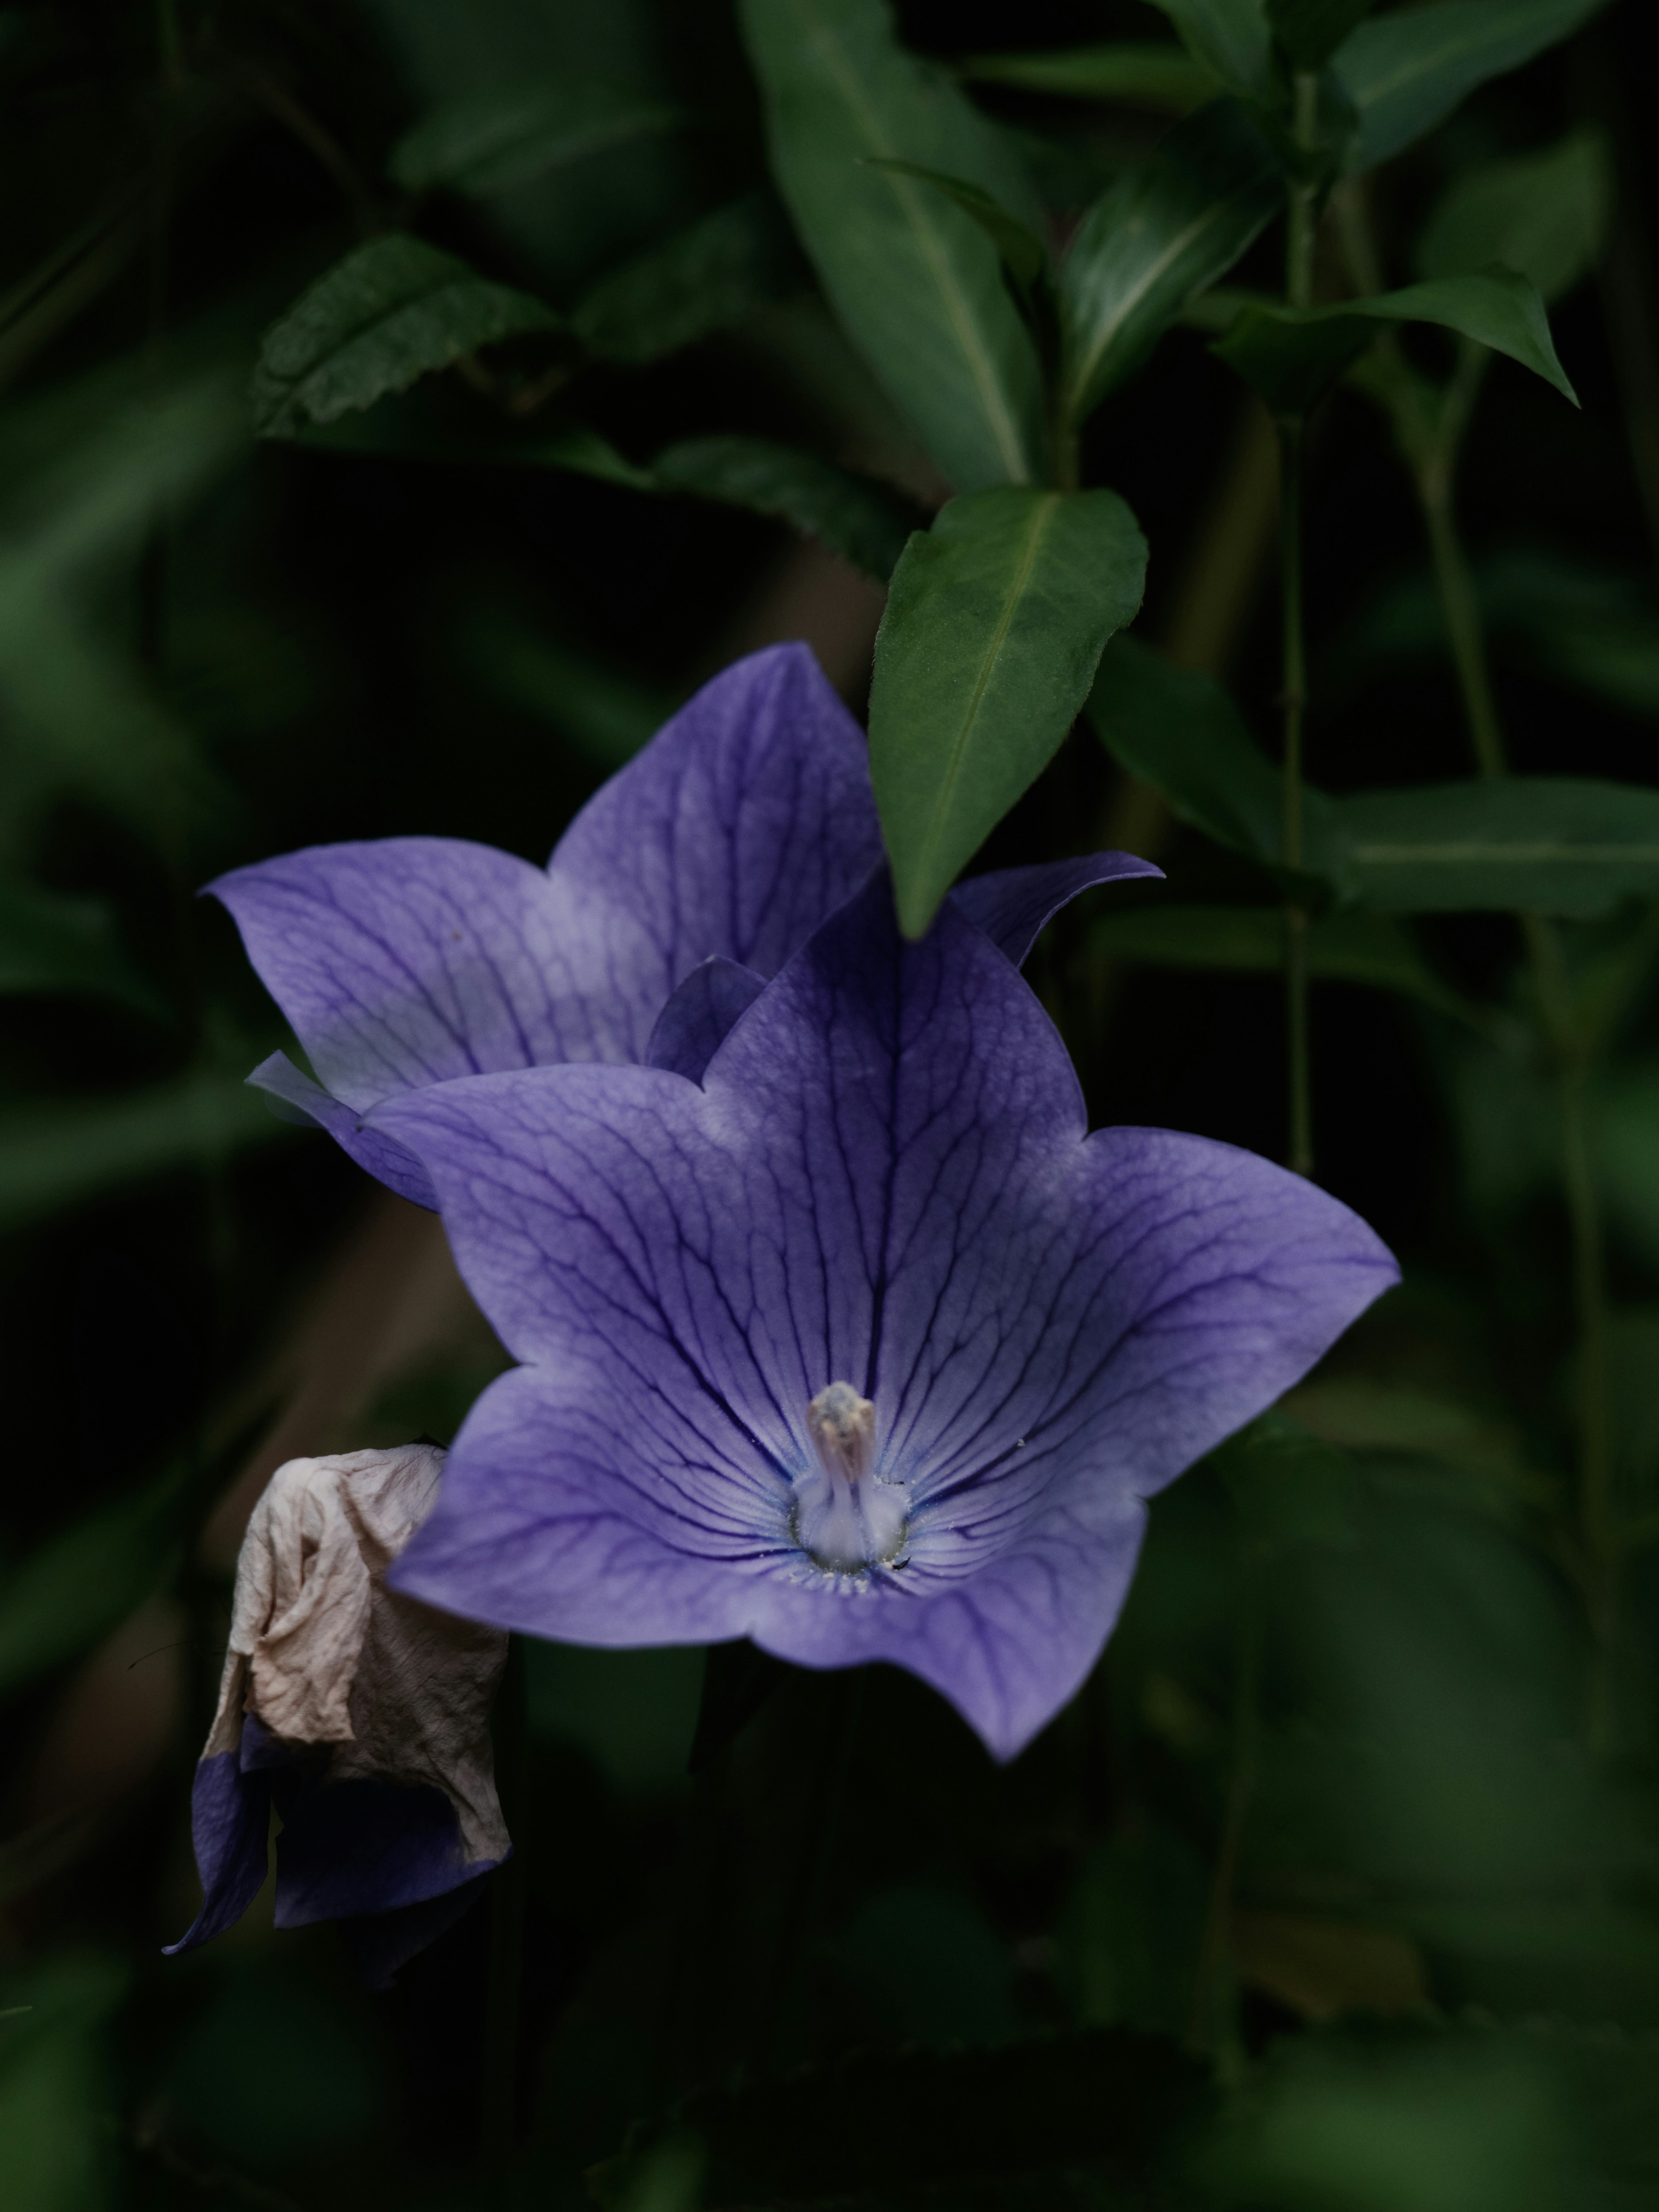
(1298, 291)
(502, 2003)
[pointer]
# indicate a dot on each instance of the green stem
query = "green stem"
(502, 2002)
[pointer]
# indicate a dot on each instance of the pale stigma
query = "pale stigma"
(845, 1516)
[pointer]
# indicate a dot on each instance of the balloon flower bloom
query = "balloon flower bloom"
(840, 1332)
(356, 1712)
(746, 822)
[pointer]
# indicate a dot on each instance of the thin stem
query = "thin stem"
(1462, 612)
(502, 2004)
(1304, 193)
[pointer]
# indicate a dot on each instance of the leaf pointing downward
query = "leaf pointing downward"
(995, 625)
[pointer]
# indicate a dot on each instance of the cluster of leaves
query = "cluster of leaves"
(1336, 1884)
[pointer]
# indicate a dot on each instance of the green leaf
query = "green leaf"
(1292, 355)
(1019, 249)
(1228, 37)
(392, 311)
(511, 134)
(704, 279)
(1310, 31)
(1180, 731)
(865, 522)
(61, 1153)
(1407, 69)
(432, 423)
(1342, 948)
(1554, 844)
(1138, 73)
(1158, 238)
(1544, 216)
(49, 944)
(914, 282)
(1109, 2099)
(994, 629)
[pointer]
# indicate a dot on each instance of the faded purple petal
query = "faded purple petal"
(1011, 905)
(695, 1019)
(884, 1179)
(230, 1824)
(385, 1159)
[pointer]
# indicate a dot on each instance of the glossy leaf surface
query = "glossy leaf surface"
(914, 281)
(391, 312)
(995, 626)
(492, 141)
(1407, 69)
(1292, 356)
(1229, 38)
(1163, 234)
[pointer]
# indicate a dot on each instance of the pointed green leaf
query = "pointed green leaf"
(1544, 216)
(1155, 239)
(1405, 69)
(914, 280)
(391, 312)
(1344, 947)
(1229, 38)
(1139, 73)
(1554, 844)
(512, 133)
(49, 944)
(867, 523)
(1292, 355)
(704, 279)
(1021, 251)
(1310, 31)
(994, 629)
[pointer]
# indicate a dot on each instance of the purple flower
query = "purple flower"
(359, 1712)
(862, 1347)
(745, 823)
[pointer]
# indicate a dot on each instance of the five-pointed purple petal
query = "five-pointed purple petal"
(884, 1180)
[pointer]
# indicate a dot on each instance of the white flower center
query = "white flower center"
(845, 1516)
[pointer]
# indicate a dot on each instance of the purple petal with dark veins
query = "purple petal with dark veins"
(696, 1018)
(388, 1161)
(884, 1179)
(1011, 905)
(745, 822)
(230, 1825)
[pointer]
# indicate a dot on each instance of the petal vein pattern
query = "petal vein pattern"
(885, 1181)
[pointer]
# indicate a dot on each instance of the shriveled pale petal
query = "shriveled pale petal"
(884, 1179)
(697, 1016)
(388, 1162)
(1013, 905)
(361, 1711)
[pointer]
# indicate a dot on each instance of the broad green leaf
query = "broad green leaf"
(704, 279)
(865, 522)
(995, 626)
(1155, 239)
(392, 311)
(64, 1153)
(1343, 947)
(1140, 73)
(1292, 355)
(50, 943)
(1544, 216)
(1019, 249)
(1310, 31)
(915, 282)
(1554, 844)
(1180, 731)
(1405, 69)
(509, 134)
(77, 1586)
(1230, 38)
